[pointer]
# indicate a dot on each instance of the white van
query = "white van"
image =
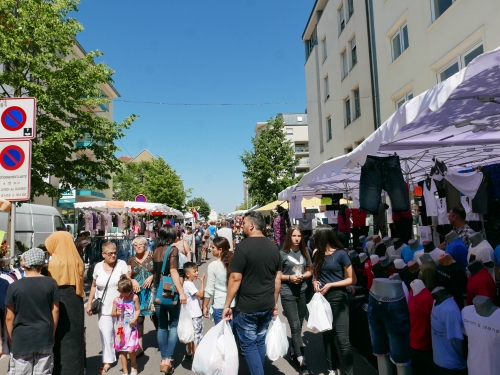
(34, 223)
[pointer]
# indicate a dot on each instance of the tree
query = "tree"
(37, 38)
(156, 179)
(270, 166)
(204, 209)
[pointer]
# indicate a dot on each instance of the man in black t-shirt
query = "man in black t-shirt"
(256, 278)
(32, 313)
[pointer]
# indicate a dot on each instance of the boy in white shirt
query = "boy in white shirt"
(193, 296)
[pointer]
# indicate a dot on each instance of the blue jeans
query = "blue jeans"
(168, 316)
(217, 314)
(251, 329)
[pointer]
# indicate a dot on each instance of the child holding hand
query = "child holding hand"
(194, 296)
(126, 309)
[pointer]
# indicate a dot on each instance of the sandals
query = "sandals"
(167, 369)
(104, 369)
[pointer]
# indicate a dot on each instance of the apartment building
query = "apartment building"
(296, 129)
(338, 78)
(421, 43)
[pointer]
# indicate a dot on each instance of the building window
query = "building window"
(289, 131)
(400, 42)
(328, 129)
(348, 149)
(404, 99)
(438, 7)
(354, 56)
(357, 143)
(350, 5)
(327, 89)
(325, 51)
(345, 67)
(341, 18)
(357, 103)
(347, 105)
(460, 62)
(310, 43)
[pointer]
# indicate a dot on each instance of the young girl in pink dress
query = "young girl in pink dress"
(126, 309)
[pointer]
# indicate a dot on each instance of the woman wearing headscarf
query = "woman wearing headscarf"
(66, 268)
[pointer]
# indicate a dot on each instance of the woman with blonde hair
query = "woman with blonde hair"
(66, 268)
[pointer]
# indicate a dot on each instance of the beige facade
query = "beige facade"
(338, 78)
(441, 37)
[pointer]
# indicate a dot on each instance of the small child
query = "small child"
(193, 297)
(126, 308)
(32, 313)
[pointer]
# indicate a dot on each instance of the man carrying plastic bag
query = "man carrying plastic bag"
(217, 353)
(320, 314)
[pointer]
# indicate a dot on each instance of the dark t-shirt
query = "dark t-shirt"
(290, 260)
(32, 298)
(333, 268)
(172, 262)
(258, 260)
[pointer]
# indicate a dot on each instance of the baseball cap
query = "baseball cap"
(34, 258)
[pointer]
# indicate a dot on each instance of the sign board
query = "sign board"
(15, 170)
(17, 118)
(141, 198)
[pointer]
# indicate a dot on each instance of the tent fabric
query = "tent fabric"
(455, 122)
(271, 206)
(138, 207)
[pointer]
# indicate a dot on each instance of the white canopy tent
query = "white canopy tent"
(134, 207)
(456, 121)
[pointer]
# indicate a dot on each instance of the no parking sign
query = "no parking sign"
(17, 118)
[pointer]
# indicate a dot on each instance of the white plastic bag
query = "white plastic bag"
(185, 329)
(320, 314)
(217, 353)
(276, 340)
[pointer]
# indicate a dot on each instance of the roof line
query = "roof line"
(310, 16)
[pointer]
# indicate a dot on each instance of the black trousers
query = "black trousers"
(337, 341)
(294, 308)
(423, 363)
(197, 253)
(404, 229)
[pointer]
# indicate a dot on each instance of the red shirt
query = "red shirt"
(358, 218)
(345, 226)
(369, 274)
(420, 307)
(481, 284)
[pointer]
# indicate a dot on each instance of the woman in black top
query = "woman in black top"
(332, 273)
(168, 316)
(296, 265)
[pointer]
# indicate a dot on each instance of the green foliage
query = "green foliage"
(204, 209)
(156, 179)
(37, 41)
(270, 166)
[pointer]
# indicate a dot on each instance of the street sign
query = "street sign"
(141, 198)
(17, 118)
(15, 170)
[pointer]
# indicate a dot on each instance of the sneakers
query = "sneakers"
(303, 370)
(294, 359)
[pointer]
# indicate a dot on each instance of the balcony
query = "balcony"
(301, 150)
(303, 163)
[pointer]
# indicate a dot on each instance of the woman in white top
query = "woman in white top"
(110, 269)
(217, 274)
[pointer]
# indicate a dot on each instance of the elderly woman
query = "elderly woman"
(107, 272)
(141, 271)
(66, 268)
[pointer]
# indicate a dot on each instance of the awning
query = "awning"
(156, 209)
(456, 121)
(271, 206)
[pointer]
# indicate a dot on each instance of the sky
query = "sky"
(189, 52)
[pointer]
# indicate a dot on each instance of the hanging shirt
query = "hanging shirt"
(442, 211)
(332, 216)
(425, 233)
(355, 200)
(295, 211)
(483, 252)
(481, 284)
(429, 189)
(458, 252)
(420, 307)
(279, 229)
(358, 218)
(305, 222)
(466, 183)
(467, 204)
(484, 341)
(447, 336)
(345, 225)
(89, 221)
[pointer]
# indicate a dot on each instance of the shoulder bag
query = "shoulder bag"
(96, 306)
(166, 295)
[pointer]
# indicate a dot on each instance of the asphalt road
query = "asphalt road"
(149, 363)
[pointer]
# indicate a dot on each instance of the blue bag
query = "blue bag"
(166, 295)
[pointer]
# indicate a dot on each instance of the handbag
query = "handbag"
(96, 306)
(166, 295)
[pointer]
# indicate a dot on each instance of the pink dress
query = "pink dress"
(126, 335)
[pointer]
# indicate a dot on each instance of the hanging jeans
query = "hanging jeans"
(382, 173)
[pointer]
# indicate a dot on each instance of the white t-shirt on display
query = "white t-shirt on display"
(485, 253)
(355, 200)
(484, 341)
(430, 199)
(101, 278)
(332, 216)
(305, 222)
(393, 253)
(435, 254)
(425, 233)
(193, 302)
(442, 211)
(295, 211)
(467, 204)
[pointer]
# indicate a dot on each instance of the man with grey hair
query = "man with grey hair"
(32, 313)
(227, 233)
